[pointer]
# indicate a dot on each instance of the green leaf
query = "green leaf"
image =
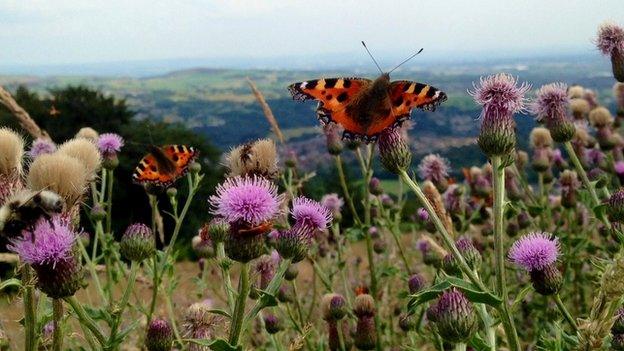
(13, 282)
(472, 292)
(266, 299)
(600, 210)
(478, 344)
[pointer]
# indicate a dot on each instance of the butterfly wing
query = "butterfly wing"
(333, 95)
(406, 95)
(150, 169)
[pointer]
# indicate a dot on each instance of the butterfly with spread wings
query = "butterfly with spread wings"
(366, 108)
(164, 165)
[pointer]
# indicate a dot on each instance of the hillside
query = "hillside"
(218, 103)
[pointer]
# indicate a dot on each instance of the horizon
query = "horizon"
(272, 34)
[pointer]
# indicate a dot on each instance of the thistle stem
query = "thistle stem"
(85, 320)
(581, 171)
(29, 309)
(498, 175)
(271, 289)
(57, 319)
(109, 201)
(564, 311)
(239, 309)
(134, 268)
(345, 188)
(224, 265)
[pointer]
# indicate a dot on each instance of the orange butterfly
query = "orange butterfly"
(164, 165)
(366, 108)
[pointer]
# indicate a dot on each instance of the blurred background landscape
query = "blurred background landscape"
(159, 73)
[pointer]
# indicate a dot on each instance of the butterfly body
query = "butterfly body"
(164, 165)
(366, 108)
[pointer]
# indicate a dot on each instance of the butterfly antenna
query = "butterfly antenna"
(371, 56)
(406, 60)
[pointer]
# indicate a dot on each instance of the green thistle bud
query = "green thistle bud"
(159, 336)
(394, 152)
(547, 281)
(137, 243)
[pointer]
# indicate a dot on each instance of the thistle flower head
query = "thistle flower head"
(266, 266)
(579, 107)
(110, 144)
(610, 39)
(84, 151)
(433, 167)
(255, 158)
(551, 102)
(41, 146)
(60, 173)
(159, 336)
(88, 133)
(422, 214)
(137, 242)
(618, 167)
(534, 251)
(272, 323)
(454, 316)
(49, 244)
(333, 202)
(11, 152)
(310, 213)
(500, 95)
(199, 323)
(618, 93)
(294, 243)
(615, 206)
(540, 138)
(333, 307)
(394, 152)
(49, 249)
(333, 134)
(600, 117)
(253, 200)
(416, 283)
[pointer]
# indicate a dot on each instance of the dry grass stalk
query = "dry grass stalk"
(22, 116)
(267, 110)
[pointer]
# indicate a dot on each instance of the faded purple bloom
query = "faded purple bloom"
(558, 159)
(500, 95)
(266, 266)
(422, 214)
(551, 102)
(423, 245)
(49, 244)
(453, 201)
(333, 133)
(253, 200)
(41, 146)
(416, 283)
(535, 251)
(619, 167)
(594, 156)
(433, 167)
(110, 144)
(310, 213)
(333, 202)
(610, 39)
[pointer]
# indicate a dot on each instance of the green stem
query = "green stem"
(134, 268)
(319, 272)
(85, 320)
(397, 240)
(239, 309)
(224, 265)
(57, 319)
(460, 347)
(448, 241)
(172, 318)
(109, 201)
(566, 314)
(271, 289)
(91, 267)
(345, 189)
(498, 175)
(581, 171)
(29, 309)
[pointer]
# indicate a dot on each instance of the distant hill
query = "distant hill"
(218, 102)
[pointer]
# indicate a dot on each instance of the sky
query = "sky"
(43, 32)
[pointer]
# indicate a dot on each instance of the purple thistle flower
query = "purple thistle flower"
(610, 39)
(500, 97)
(534, 251)
(422, 214)
(551, 102)
(423, 245)
(49, 244)
(110, 144)
(310, 213)
(40, 147)
(433, 167)
(499, 94)
(253, 200)
(333, 202)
